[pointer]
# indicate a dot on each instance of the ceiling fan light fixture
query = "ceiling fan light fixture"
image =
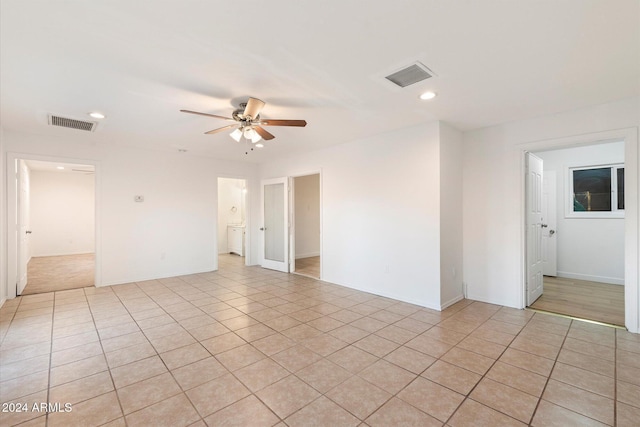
(236, 134)
(250, 133)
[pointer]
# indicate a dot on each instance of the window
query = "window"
(596, 192)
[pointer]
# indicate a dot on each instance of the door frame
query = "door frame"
(552, 222)
(11, 218)
(292, 219)
(632, 208)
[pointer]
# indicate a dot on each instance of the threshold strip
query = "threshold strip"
(595, 322)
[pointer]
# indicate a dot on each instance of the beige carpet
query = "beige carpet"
(59, 273)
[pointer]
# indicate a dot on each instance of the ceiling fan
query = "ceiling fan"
(248, 123)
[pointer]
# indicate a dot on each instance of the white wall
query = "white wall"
(493, 194)
(587, 248)
(3, 224)
(230, 196)
(173, 231)
(307, 215)
(62, 213)
(451, 266)
(380, 212)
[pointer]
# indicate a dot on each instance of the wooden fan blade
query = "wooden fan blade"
(269, 122)
(253, 108)
(263, 133)
(220, 129)
(207, 114)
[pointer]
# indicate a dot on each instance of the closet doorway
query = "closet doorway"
(56, 234)
(305, 235)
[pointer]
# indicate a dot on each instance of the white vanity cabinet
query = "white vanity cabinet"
(235, 239)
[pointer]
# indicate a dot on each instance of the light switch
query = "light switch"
(138, 198)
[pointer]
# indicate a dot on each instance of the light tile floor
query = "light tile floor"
(251, 347)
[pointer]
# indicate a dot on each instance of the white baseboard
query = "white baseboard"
(401, 298)
(492, 300)
(62, 254)
(451, 301)
(2, 301)
(600, 279)
(307, 255)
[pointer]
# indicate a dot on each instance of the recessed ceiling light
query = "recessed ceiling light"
(97, 115)
(259, 145)
(60, 167)
(428, 95)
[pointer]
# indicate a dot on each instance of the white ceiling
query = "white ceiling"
(139, 62)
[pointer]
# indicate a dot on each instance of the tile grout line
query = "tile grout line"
(53, 312)
(198, 341)
(468, 395)
(615, 379)
(104, 354)
(546, 383)
(156, 355)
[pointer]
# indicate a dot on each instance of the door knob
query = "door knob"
(28, 232)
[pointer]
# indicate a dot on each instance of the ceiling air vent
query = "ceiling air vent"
(66, 122)
(412, 74)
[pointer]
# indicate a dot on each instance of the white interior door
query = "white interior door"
(549, 218)
(24, 248)
(275, 228)
(534, 167)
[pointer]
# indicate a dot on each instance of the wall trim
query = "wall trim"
(421, 303)
(62, 254)
(493, 301)
(308, 255)
(452, 301)
(154, 277)
(600, 279)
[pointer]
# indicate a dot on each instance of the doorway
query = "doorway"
(232, 220)
(305, 248)
(56, 225)
(291, 210)
(581, 232)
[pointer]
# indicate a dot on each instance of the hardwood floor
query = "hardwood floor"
(309, 266)
(59, 273)
(601, 302)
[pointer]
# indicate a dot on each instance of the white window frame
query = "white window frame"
(613, 213)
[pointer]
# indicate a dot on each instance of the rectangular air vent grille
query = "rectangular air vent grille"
(66, 122)
(410, 75)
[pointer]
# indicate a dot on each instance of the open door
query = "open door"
(22, 228)
(275, 228)
(549, 215)
(534, 224)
